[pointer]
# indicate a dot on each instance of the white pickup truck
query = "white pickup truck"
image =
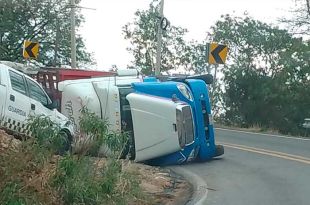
(21, 97)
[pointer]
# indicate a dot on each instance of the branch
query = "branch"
(34, 34)
(4, 49)
(39, 30)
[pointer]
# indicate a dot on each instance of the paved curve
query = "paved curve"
(258, 170)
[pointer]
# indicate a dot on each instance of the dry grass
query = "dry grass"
(254, 128)
(154, 185)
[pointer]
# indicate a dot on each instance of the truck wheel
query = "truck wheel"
(129, 149)
(132, 149)
(132, 152)
(219, 150)
(65, 144)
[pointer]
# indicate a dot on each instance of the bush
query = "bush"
(96, 131)
(48, 135)
(81, 180)
(32, 174)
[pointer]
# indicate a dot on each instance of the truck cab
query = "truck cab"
(194, 120)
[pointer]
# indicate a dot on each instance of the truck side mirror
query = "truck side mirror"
(53, 105)
(208, 78)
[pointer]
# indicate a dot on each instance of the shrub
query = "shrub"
(32, 174)
(96, 130)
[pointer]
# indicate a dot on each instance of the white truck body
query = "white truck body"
(21, 97)
(153, 119)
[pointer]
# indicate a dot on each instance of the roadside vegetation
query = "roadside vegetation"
(43, 21)
(34, 173)
(265, 81)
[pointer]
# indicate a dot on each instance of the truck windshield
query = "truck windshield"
(126, 118)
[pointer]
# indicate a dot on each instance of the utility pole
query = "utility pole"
(159, 40)
(73, 43)
(56, 42)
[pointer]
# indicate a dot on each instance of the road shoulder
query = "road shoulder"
(200, 187)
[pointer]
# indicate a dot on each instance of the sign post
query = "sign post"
(216, 54)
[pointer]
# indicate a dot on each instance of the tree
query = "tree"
(142, 34)
(267, 75)
(300, 21)
(43, 21)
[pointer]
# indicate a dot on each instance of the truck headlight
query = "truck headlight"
(185, 91)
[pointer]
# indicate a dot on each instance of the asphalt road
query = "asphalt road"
(257, 170)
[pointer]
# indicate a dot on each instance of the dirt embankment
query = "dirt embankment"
(7, 142)
(161, 185)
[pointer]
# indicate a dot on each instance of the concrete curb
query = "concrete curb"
(199, 185)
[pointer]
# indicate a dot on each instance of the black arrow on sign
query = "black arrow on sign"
(215, 53)
(29, 49)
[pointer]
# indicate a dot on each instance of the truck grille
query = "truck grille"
(185, 125)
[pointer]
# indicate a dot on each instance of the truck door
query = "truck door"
(18, 105)
(39, 100)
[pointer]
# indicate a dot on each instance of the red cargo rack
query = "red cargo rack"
(49, 78)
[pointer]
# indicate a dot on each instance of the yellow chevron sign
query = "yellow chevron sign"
(30, 49)
(217, 53)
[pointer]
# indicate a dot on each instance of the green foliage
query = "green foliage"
(43, 21)
(10, 195)
(19, 165)
(267, 77)
(16, 171)
(142, 34)
(299, 23)
(176, 52)
(32, 174)
(49, 135)
(97, 131)
(195, 57)
(74, 181)
(82, 180)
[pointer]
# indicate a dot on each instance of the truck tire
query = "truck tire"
(132, 149)
(219, 150)
(66, 142)
(129, 149)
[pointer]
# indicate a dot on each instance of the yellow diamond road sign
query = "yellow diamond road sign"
(217, 53)
(30, 49)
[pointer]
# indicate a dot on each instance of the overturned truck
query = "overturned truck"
(169, 119)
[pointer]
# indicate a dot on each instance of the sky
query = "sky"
(102, 29)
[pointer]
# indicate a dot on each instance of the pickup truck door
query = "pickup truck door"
(39, 100)
(3, 91)
(17, 107)
(154, 125)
